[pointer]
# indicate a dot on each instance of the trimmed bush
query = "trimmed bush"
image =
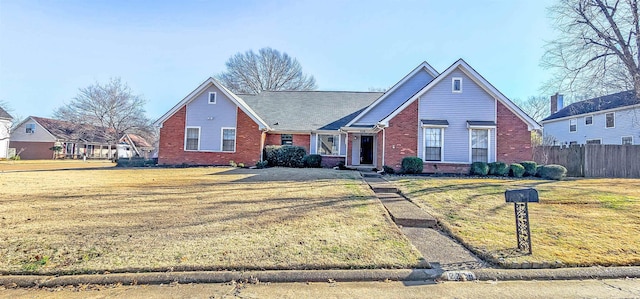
(479, 168)
(285, 155)
(500, 169)
(411, 165)
(539, 170)
(553, 172)
(388, 169)
(529, 167)
(313, 161)
(262, 164)
(516, 170)
(492, 168)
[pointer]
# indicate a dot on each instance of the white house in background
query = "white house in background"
(610, 119)
(5, 126)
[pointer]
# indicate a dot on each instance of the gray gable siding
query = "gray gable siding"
(40, 135)
(396, 99)
(457, 108)
(211, 118)
(627, 123)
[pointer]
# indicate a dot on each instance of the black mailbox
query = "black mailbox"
(521, 195)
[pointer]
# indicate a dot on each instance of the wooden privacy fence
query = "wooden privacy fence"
(593, 160)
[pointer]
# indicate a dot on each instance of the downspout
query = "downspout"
(384, 138)
(263, 136)
(346, 158)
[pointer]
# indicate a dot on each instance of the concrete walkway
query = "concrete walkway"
(438, 249)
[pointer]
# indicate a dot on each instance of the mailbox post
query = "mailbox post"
(520, 198)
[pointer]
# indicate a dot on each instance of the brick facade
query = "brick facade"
(401, 136)
(303, 140)
(30, 150)
(513, 138)
(171, 147)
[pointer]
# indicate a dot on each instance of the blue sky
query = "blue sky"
(165, 49)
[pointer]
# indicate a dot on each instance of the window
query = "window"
(573, 125)
(286, 139)
(212, 98)
(593, 141)
(479, 145)
(228, 139)
(573, 143)
(328, 145)
(192, 142)
(627, 140)
(433, 144)
(456, 85)
(588, 120)
(611, 120)
(31, 128)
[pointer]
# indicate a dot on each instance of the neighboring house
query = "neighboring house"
(5, 127)
(132, 145)
(448, 119)
(610, 119)
(34, 137)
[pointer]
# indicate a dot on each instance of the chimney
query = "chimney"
(557, 101)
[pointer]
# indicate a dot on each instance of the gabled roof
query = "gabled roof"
(423, 66)
(234, 98)
(4, 114)
(478, 79)
(612, 101)
(135, 140)
(68, 131)
(309, 110)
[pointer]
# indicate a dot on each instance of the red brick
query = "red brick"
(401, 136)
(29, 150)
(171, 151)
(513, 137)
(298, 140)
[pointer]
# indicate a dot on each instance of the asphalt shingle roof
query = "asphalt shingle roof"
(309, 110)
(65, 130)
(612, 101)
(4, 114)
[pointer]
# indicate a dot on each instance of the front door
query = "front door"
(366, 150)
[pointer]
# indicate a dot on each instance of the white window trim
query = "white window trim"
(614, 120)
(339, 144)
(576, 120)
(215, 97)
(621, 139)
(185, 138)
(32, 131)
(424, 143)
(235, 139)
(586, 141)
(585, 120)
(453, 80)
(490, 158)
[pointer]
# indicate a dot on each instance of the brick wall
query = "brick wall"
(446, 168)
(513, 137)
(33, 150)
(298, 140)
(402, 136)
(171, 151)
(331, 161)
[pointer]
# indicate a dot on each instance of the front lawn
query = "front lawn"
(577, 221)
(95, 220)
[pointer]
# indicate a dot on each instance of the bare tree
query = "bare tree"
(596, 51)
(112, 106)
(538, 107)
(267, 70)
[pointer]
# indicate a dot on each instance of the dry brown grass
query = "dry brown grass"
(95, 220)
(30, 165)
(577, 222)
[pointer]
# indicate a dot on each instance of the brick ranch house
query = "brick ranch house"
(448, 119)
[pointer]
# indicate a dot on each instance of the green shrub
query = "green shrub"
(529, 168)
(313, 161)
(411, 165)
(539, 170)
(15, 158)
(285, 155)
(553, 172)
(479, 168)
(262, 164)
(500, 169)
(388, 169)
(516, 170)
(492, 168)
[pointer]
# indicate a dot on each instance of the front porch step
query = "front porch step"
(405, 213)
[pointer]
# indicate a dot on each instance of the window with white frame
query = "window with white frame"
(432, 144)
(611, 120)
(456, 85)
(594, 141)
(479, 145)
(627, 140)
(192, 140)
(328, 145)
(286, 139)
(228, 139)
(573, 125)
(588, 120)
(31, 128)
(212, 98)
